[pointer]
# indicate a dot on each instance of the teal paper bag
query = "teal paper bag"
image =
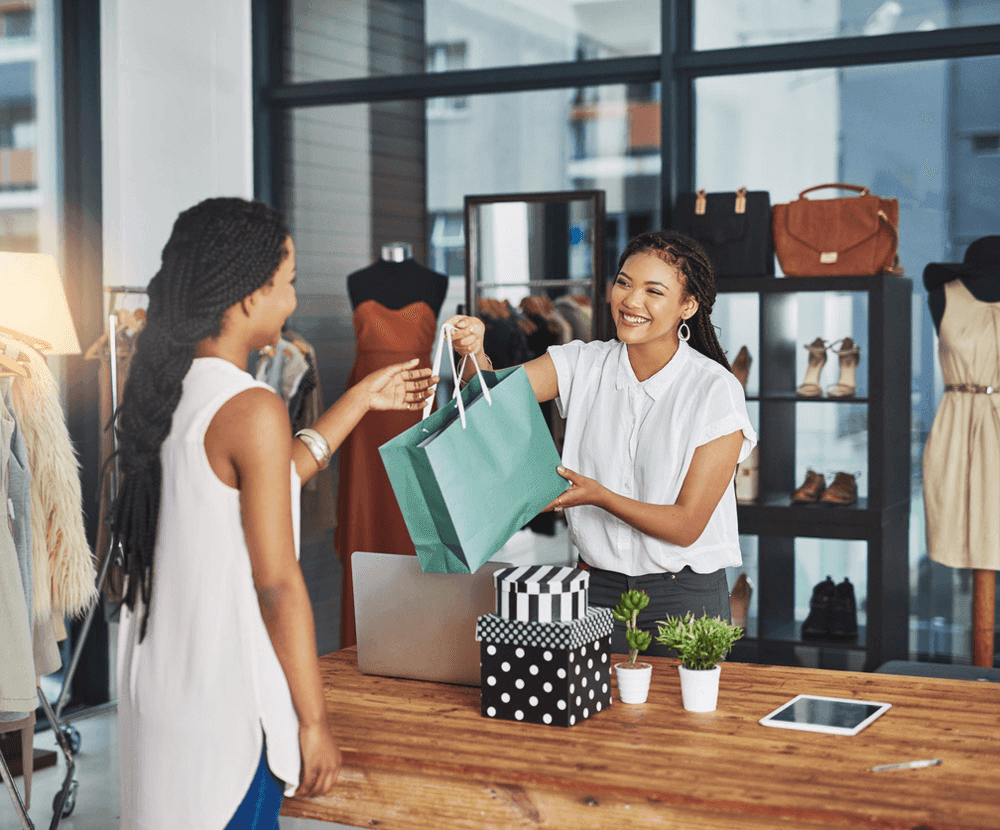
(465, 491)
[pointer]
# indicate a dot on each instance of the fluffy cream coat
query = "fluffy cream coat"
(64, 570)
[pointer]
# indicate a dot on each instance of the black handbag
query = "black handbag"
(733, 228)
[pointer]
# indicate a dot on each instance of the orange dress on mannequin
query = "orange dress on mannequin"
(368, 517)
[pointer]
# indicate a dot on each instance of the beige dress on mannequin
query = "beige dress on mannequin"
(962, 455)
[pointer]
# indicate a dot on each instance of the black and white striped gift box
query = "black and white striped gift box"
(542, 593)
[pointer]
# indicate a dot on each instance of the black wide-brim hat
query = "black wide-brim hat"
(982, 259)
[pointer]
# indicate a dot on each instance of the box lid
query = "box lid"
(541, 579)
(496, 629)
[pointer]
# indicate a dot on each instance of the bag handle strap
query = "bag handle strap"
(861, 191)
(895, 268)
(456, 372)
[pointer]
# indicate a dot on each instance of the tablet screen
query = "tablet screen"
(825, 714)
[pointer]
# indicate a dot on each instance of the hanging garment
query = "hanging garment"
(63, 563)
(17, 669)
(577, 310)
(368, 516)
(292, 373)
(126, 334)
(44, 636)
(962, 455)
(196, 693)
(505, 339)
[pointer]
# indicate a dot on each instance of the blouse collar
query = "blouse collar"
(657, 384)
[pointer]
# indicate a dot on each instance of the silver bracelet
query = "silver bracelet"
(317, 446)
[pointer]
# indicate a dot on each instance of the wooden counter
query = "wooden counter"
(420, 755)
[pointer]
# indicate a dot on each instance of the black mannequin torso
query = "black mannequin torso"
(986, 289)
(398, 284)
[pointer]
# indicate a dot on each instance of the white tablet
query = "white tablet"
(834, 715)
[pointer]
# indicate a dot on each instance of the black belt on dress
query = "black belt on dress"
(974, 388)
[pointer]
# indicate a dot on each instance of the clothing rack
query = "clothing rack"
(67, 736)
(65, 799)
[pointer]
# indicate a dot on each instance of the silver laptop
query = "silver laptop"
(416, 625)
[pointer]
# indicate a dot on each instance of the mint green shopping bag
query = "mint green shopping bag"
(465, 488)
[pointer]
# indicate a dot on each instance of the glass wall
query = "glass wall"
(19, 59)
(721, 24)
(351, 40)
(28, 134)
(605, 138)
(922, 133)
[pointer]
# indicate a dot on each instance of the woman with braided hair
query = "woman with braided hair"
(655, 426)
(221, 706)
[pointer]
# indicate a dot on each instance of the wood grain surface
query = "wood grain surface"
(420, 755)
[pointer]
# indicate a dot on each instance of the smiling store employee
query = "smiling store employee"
(655, 426)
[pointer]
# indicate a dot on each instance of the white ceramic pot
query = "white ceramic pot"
(633, 681)
(700, 688)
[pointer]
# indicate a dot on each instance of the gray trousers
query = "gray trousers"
(670, 594)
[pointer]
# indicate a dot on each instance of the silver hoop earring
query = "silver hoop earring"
(684, 331)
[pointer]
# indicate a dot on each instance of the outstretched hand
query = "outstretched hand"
(400, 386)
(468, 335)
(582, 490)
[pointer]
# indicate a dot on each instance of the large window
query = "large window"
(28, 181)
(723, 24)
(339, 40)
(897, 96)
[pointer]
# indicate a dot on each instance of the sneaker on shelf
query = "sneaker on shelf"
(817, 624)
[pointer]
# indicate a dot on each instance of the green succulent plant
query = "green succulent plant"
(699, 642)
(627, 611)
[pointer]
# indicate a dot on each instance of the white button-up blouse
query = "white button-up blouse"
(638, 439)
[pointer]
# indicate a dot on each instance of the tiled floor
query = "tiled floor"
(97, 774)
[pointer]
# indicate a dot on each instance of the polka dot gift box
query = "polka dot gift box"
(556, 673)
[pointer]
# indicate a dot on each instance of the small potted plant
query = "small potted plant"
(633, 678)
(700, 643)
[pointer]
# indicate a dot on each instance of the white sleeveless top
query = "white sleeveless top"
(195, 695)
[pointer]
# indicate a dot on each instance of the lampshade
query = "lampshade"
(33, 302)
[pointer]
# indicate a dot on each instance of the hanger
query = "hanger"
(9, 367)
(35, 343)
(126, 321)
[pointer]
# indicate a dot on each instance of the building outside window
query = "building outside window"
(28, 179)
(446, 57)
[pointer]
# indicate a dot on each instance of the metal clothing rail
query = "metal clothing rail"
(66, 736)
(65, 799)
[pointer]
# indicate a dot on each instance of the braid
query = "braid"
(688, 257)
(219, 251)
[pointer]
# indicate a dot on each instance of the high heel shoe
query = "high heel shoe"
(810, 387)
(741, 367)
(849, 354)
(748, 478)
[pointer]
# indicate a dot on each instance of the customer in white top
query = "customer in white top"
(220, 699)
(655, 426)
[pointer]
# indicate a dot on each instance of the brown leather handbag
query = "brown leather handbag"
(850, 236)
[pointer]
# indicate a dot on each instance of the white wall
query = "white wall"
(176, 119)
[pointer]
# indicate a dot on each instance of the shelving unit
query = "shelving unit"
(881, 520)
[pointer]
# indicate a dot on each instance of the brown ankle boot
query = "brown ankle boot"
(842, 492)
(811, 489)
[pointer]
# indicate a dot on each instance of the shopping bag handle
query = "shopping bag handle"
(456, 373)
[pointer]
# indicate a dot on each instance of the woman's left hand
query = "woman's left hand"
(582, 490)
(400, 386)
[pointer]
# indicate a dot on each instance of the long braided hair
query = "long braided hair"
(689, 258)
(219, 252)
